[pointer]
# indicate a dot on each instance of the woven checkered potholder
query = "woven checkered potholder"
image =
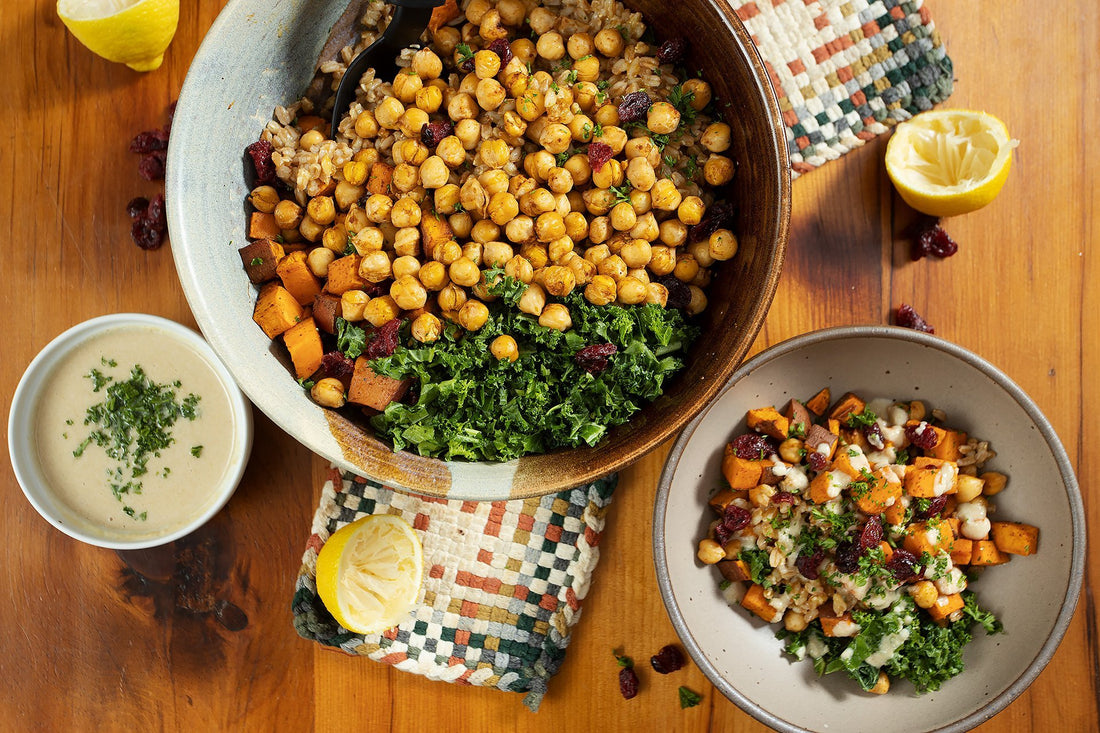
(846, 70)
(503, 582)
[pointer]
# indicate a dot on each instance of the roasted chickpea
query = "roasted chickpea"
(700, 92)
(519, 267)
(686, 267)
(609, 42)
(718, 170)
(701, 252)
(366, 155)
(512, 12)
(434, 173)
(524, 49)
(555, 138)
(531, 105)
(722, 245)
(587, 68)
(504, 347)
(429, 99)
(380, 311)
(322, 210)
(608, 115)
(328, 392)
(451, 151)
(335, 239)
(612, 266)
(576, 226)
(496, 254)
(318, 260)
(640, 274)
(640, 174)
(537, 255)
(599, 230)
(462, 106)
(311, 230)
(610, 174)
(485, 231)
(513, 124)
(410, 151)
(646, 228)
(556, 316)
(486, 64)
(375, 267)
(542, 20)
(631, 291)
(447, 252)
(288, 215)
(559, 248)
(405, 177)
(690, 211)
(264, 198)
(426, 328)
(427, 64)
(698, 302)
(378, 207)
(476, 10)
(503, 208)
(408, 293)
(405, 265)
(413, 121)
(623, 216)
(581, 128)
(491, 28)
(451, 297)
(405, 213)
(657, 294)
(662, 261)
(473, 315)
(352, 303)
(664, 195)
(636, 253)
(474, 198)
(550, 46)
(406, 84)
(559, 180)
(310, 139)
(347, 194)
(579, 45)
(366, 126)
(446, 38)
(463, 272)
(490, 94)
(549, 226)
(662, 118)
(433, 275)
(614, 137)
(716, 138)
(388, 112)
(520, 230)
(368, 239)
(473, 251)
(469, 133)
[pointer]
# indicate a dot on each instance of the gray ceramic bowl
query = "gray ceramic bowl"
(260, 54)
(1034, 596)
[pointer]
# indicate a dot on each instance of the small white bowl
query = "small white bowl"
(1033, 596)
(22, 431)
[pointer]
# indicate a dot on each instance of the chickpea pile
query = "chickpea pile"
(489, 170)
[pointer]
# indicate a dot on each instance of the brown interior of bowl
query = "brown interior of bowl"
(738, 298)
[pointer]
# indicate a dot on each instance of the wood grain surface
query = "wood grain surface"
(198, 636)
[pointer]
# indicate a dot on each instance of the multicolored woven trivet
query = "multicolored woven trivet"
(502, 589)
(846, 70)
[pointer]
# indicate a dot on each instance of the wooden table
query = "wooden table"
(93, 639)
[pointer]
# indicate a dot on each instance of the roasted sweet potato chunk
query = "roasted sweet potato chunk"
(343, 275)
(849, 404)
(326, 309)
(755, 601)
(304, 344)
(740, 472)
(262, 226)
(297, 278)
(260, 259)
(374, 390)
(819, 402)
(1015, 538)
(276, 310)
(767, 420)
(381, 175)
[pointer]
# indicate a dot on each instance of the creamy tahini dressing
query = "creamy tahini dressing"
(82, 485)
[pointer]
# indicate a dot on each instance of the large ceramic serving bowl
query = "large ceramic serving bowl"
(1033, 596)
(260, 54)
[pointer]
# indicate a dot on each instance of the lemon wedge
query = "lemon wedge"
(369, 572)
(131, 32)
(949, 162)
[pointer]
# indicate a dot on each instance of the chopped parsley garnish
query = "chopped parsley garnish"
(689, 699)
(465, 53)
(759, 568)
(350, 339)
(256, 261)
(196, 451)
(863, 419)
(682, 100)
(622, 193)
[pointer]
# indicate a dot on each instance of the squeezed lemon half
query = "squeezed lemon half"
(369, 573)
(131, 32)
(949, 162)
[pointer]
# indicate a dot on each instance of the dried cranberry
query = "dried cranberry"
(628, 682)
(847, 557)
(936, 505)
(155, 211)
(734, 518)
(720, 215)
(902, 565)
(466, 65)
(924, 437)
(593, 358)
(598, 154)
(260, 152)
(871, 534)
(501, 48)
(433, 132)
(783, 497)
(933, 241)
(722, 534)
(384, 340)
(137, 207)
(752, 446)
(909, 318)
(151, 165)
(874, 436)
(807, 565)
(817, 461)
(672, 51)
(668, 659)
(679, 294)
(337, 365)
(148, 141)
(633, 107)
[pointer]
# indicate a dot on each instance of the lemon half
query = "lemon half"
(369, 573)
(131, 32)
(949, 162)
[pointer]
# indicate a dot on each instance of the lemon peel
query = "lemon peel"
(951, 161)
(369, 573)
(132, 32)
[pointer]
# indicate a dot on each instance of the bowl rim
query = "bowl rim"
(1069, 483)
(469, 480)
(21, 414)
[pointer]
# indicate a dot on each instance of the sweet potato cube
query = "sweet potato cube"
(767, 475)
(924, 482)
(948, 446)
(723, 497)
(833, 625)
(260, 258)
(326, 309)
(767, 420)
(895, 513)
(1015, 538)
(297, 278)
(739, 472)
(262, 226)
(930, 537)
(850, 464)
(734, 570)
(311, 122)
(962, 550)
(303, 341)
(940, 433)
(819, 402)
(986, 553)
(276, 310)
(822, 488)
(343, 275)
(816, 436)
(755, 601)
(887, 551)
(799, 417)
(381, 175)
(434, 231)
(849, 404)
(883, 491)
(944, 606)
(372, 390)
(443, 14)
(833, 426)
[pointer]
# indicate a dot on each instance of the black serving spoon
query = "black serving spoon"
(410, 18)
